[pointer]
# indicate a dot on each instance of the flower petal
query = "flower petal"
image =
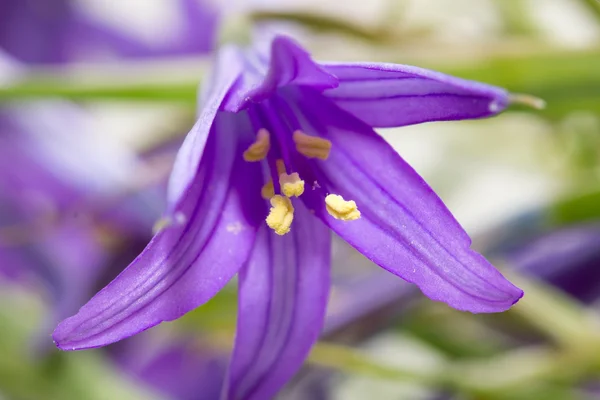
(178, 367)
(186, 263)
(392, 95)
(372, 296)
(283, 296)
(289, 64)
(227, 70)
(405, 227)
(567, 258)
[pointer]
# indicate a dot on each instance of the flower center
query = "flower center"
(283, 186)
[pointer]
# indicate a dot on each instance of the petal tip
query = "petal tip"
(518, 296)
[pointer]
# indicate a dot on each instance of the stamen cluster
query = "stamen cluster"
(281, 214)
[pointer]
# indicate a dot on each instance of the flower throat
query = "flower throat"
(282, 187)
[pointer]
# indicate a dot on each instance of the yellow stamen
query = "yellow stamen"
(281, 214)
(339, 208)
(312, 146)
(291, 185)
(260, 148)
(280, 167)
(267, 190)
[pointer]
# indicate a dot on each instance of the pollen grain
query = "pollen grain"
(341, 209)
(291, 185)
(281, 214)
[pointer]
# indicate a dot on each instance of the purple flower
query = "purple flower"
(300, 134)
(56, 31)
(36, 32)
(181, 368)
(568, 258)
(55, 188)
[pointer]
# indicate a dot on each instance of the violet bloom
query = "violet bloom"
(285, 131)
(56, 31)
(55, 188)
(183, 368)
(568, 258)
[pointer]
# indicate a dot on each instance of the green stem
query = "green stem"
(555, 314)
(323, 23)
(352, 361)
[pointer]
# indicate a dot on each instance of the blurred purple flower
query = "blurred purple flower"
(301, 123)
(55, 190)
(181, 368)
(36, 31)
(568, 258)
(57, 31)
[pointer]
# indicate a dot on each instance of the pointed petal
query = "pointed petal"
(405, 227)
(185, 264)
(289, 64)
(283, 296)
(227, 70)
(392, 95)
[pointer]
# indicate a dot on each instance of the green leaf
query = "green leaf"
(579, 208)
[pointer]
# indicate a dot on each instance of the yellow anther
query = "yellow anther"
(312, 146)
(267, 190)
(339, 208)
(291, 185)
(281, 214)
(260, 148)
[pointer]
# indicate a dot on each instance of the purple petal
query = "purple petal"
(392, 95)
(227, 70)
(289, 64)
(283, 296)
(187, 263)
(405, 227)
(194, 35)
(36, 32)
(182, 368)
(362, 297)
(200, 26)
(568, 258)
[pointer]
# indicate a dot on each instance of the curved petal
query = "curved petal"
(187, 263)
(405, 227)
(289, 64)
(391, 95)
(227, 70)
(283, 296)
